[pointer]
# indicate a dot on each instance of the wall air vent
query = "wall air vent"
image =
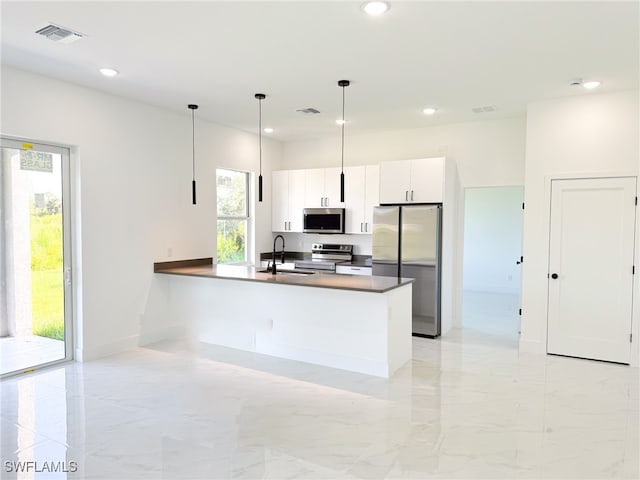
(485, 109)
(59, 34)
(308, 111)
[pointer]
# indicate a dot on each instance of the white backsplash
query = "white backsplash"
(301, 242)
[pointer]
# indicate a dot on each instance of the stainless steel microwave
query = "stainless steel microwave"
(323, 220)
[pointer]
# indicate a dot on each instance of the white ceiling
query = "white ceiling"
(454, 55)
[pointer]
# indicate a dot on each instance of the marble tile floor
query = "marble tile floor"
(466, 406)
(24, 351)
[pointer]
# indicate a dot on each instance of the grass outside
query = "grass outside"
(47, 303)
(47, 291)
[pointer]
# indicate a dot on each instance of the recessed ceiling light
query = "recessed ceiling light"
(429, 110)
(268, 130)
(108, 72)
(591, 84)
(340, 121)
(375, 8)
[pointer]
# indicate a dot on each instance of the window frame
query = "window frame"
(247, 218)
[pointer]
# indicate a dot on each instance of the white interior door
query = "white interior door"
(590, 268)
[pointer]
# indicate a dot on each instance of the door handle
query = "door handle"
(554, 275)
(67, 276)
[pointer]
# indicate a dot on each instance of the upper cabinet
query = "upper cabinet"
(322, 188)
(412, 181)
(362, 187)
(287, 200)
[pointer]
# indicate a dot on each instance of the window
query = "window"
(233, 216)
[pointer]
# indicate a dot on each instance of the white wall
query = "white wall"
(301, 242)
(486, 153)
(131, 186)
(492, 239)
(489, 152)
(592, 134)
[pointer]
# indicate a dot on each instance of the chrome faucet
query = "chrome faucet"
(273, 266)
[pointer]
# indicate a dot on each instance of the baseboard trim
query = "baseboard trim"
(167, 333)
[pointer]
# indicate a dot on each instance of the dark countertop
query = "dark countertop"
(203, 267)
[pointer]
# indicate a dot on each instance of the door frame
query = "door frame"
(635, 350)
(67, 246)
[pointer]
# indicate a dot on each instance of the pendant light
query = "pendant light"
(260, 97)
(342, 84)
(193, 108)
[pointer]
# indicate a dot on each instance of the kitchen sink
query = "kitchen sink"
(287, 272)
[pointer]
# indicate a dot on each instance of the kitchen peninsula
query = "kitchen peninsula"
(356, 323)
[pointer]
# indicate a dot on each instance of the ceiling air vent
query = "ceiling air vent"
(308, 110)
(59, 34)
(485, 109)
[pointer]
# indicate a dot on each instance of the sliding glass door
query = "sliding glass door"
(35, 256)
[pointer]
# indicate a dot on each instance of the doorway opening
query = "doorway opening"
(491, 274)
(35, 256)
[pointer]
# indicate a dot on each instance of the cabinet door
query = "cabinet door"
(427, 179)
(279, 200)
(371, 195)
(332, 188)
(296, 199)
(395, 181)
(314, 188)
(354, 196)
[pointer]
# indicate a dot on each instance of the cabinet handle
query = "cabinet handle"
(412, 195)
(289, 225)
(326, 201)
(321, 202)
(354, 268)
(406, 195)
(366, 226)
(361, 225)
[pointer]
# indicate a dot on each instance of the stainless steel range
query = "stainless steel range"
(325, 256)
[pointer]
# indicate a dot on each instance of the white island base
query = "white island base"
(365, 332)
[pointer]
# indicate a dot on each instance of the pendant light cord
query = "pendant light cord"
(343, 122)
(193, 143)
(260, 130)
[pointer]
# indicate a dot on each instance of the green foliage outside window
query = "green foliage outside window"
(47, 290)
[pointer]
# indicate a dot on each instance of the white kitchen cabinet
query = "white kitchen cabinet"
(362, 190)
(412, 181)
(322, 188)
(287, 200)
(353, 270)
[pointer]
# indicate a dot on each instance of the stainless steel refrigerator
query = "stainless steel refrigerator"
(407, 243)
